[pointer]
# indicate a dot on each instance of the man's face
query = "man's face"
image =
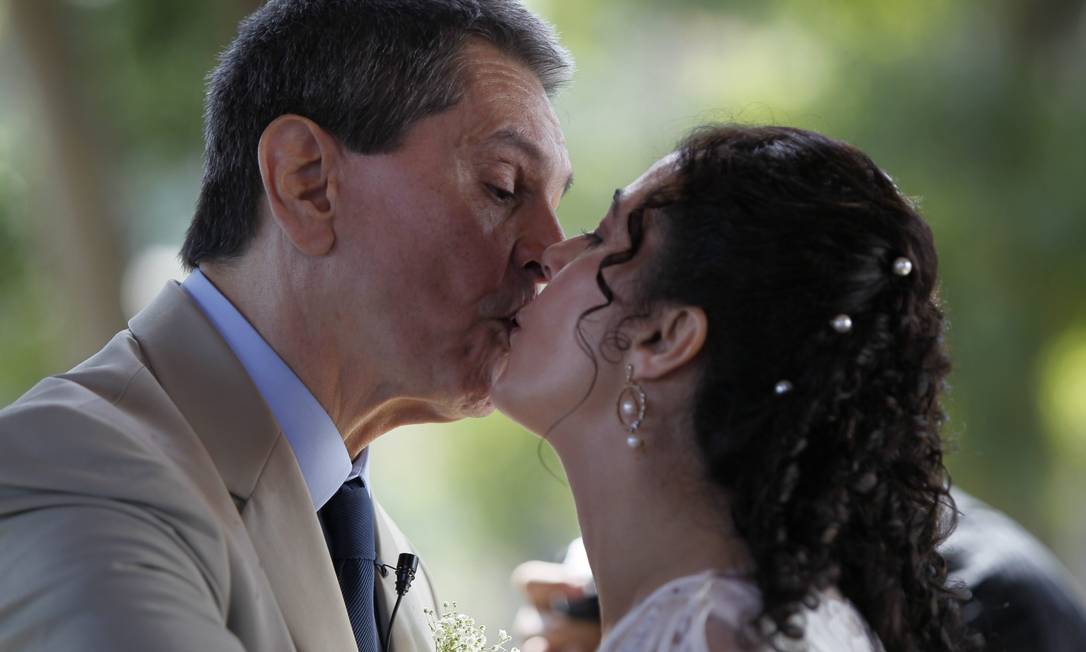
(446, 235)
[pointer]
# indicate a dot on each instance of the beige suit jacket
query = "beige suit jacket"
(148, 501)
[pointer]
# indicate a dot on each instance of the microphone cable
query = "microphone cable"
(406, 566)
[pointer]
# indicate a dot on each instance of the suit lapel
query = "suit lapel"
(284, 528)
(212, 390)
(411, 632)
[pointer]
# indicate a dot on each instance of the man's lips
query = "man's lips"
(511, 323)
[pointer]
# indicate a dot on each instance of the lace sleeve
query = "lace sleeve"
(682, 615)
(686, 614)
(836, 626)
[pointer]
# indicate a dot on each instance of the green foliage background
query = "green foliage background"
(978, 107)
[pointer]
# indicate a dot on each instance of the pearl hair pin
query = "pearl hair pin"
(842, 324)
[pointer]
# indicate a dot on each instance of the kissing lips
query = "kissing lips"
(512, 322)
(510, 327)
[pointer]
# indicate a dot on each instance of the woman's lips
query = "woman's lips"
(518, 320)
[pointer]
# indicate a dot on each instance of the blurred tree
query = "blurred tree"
(76, 229)
(99, 132)
(24, 347)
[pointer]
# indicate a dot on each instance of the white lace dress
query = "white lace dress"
(674, 619)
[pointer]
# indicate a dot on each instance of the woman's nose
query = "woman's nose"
(557, 256)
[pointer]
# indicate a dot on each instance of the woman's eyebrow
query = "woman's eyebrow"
(613, 210)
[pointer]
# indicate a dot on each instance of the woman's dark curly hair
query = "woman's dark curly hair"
(774, 232)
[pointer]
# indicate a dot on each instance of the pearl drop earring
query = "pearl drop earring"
(631, 408)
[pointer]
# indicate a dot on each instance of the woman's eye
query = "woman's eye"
(593, 239)
(500, 194)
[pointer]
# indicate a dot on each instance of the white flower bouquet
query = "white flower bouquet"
(456, 632)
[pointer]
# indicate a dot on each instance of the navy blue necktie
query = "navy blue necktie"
(348, 522)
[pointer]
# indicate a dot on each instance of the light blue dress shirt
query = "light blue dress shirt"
(314, 438)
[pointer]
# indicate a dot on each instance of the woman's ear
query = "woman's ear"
(668, 341)
(298, 163)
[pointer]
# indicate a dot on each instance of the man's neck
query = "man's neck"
(357, 397)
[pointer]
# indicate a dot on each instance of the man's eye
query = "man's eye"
(502, 195)
(593, 239)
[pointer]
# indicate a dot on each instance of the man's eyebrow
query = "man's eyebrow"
(517, 140)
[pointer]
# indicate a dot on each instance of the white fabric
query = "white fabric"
(675, 616)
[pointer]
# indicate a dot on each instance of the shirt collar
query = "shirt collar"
(313, 437)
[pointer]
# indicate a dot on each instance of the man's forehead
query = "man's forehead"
(507, 107)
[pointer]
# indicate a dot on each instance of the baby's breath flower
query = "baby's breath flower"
(456, 632)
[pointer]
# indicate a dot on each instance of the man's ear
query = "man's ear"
(668, 341)
(298, 163)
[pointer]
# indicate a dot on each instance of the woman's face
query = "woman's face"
(548, 372)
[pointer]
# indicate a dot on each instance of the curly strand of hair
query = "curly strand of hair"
(635, 228)
(881, 506)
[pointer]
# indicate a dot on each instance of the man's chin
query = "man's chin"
(480, 409)
(474, 404)
(477, 401)
(480, 374)
(497, 369)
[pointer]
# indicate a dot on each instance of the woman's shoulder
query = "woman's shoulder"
(711, 612)
(681, 614)
(667, 618)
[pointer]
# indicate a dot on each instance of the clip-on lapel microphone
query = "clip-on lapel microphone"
(406, 566)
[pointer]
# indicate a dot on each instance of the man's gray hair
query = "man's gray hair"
(364, 70)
